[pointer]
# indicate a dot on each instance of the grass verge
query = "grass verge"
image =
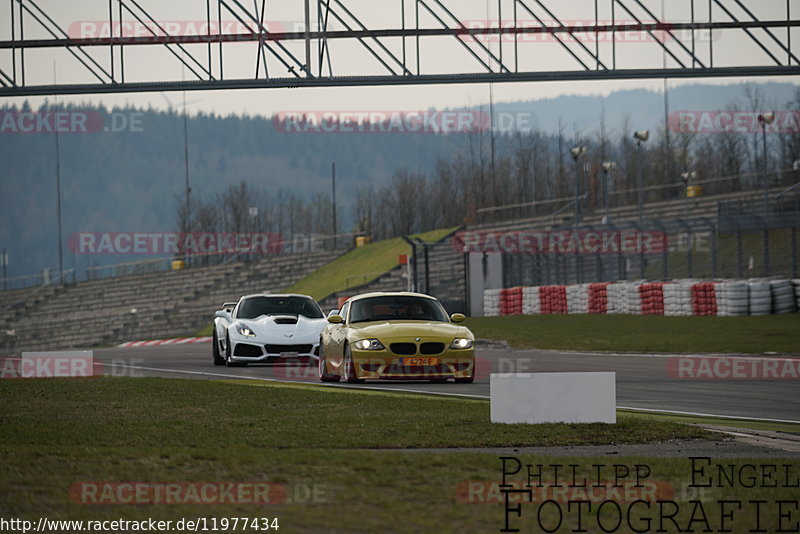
(140, 412)
(359, 266)
(637, 333)
(744, 424)
(58, 434)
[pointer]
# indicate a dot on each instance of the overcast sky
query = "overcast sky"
(89, 18)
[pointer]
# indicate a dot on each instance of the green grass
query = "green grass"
(359, 266)
(633, 333)
(328, 449)
(140, 412)
(715, 421)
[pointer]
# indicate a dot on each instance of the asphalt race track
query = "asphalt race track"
(643, 381)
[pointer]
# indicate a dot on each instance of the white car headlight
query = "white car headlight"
(461, 343)
(368, 344)
(245, 330)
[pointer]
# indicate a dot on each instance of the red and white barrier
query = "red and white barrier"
(511, 301)
(680, 298)
(491, 302)
(531, 304)
(578, 299)
(598, 298)
(553, 300)
(616, 298)
(159, 342)
(704, 299)
(652, 298)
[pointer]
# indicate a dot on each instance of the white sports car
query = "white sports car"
(268, 329)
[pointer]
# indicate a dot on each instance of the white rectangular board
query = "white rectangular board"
(553, 398)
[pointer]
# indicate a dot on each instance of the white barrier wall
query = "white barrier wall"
(553, 398)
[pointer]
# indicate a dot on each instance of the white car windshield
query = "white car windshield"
(394, 308)
(257, 306)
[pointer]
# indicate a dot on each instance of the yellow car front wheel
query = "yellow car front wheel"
(349, 368)
(322, 368)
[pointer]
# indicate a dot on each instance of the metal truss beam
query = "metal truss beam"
(395, 53)
(370, 81)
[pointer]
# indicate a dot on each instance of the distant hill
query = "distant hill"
(645, 108)
(132, 180)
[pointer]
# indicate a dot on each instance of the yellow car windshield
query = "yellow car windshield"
(397, 308)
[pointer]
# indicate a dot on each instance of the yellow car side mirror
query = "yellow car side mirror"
(335, 319)
(458, 317)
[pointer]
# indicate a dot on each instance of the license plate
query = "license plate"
(290, 354)
(419, 362)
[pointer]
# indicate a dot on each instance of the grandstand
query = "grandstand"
(139, 306)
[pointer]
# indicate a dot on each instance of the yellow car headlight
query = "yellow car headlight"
(368, 344)
(461, 343)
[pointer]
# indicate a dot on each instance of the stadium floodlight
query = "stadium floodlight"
(765, 119)
(576, 153)
(607, 166)
(641, 137)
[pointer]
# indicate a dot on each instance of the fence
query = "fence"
(593, 200)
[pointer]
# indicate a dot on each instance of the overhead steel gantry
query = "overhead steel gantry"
(418, 42)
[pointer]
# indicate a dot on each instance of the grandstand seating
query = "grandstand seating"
(140, 306)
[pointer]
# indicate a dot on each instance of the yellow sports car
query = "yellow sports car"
(395, 336)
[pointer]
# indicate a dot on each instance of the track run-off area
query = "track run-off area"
(755, 387)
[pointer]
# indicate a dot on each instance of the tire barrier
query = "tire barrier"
(616, 298)
(680, 298)
(783, 297)
(760, 297)
(633, 300)
(553, 300)
(733, 299)
(530, 301)
(578, 299)
(796, 284)
(704, 299)
(652, 298)
(598, 298)
(491, 302)
(511, 301)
